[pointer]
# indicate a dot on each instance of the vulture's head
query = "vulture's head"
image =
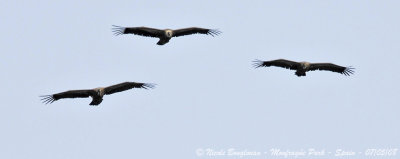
(168, 33)
(305, 65)
(99, 91)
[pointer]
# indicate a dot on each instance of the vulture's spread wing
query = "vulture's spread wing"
(194, 30)
(143, 31)
(68, 94)
(332, 67)
(125, 86)
(279, 63)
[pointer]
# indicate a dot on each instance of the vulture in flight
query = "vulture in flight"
(164, 35)
(302, 67)
(96, 93)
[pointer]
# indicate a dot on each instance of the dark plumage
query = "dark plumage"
(96, 93)
(164, 35)
(302, 67)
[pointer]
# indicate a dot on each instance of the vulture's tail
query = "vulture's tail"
(300, 73)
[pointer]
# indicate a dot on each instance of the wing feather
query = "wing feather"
(47, 99)
(195, 30)
(126, 86)
(142, 31)
(332, 67)
(279, 63)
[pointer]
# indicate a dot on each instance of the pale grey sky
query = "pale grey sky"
(208, 95)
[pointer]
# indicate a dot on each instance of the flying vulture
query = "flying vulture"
(164, 35)
(96, 93)
(302, 67)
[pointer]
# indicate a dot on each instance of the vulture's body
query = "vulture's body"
(303, 67)
(164, 35)
(96, 93)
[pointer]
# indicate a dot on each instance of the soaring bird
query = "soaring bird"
(96, 93)
(164, 35)
(302, 67)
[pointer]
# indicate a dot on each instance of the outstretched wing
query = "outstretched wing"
(279, 63)
(142, 31)
(68, 94)
(125, 86)
(332, 67)
(194, 30)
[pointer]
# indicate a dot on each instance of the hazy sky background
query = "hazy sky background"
(207, 95)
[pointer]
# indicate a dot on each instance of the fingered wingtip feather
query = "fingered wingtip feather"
(149, 85)
(117, 33)
(257, 63)
(349, 71)
(118, 30)
(117, 27)
(214, 32)
(47, 99)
